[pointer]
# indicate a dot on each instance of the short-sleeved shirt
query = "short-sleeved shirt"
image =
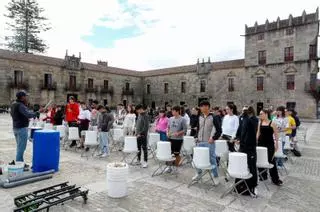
(291, 122)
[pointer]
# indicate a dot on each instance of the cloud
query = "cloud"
(170, 32)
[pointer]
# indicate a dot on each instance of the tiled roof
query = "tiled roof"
(296, 21)
(230, 64)
(27, 57)
(6, 54)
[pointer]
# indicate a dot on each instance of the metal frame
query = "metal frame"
(265, 169)
(204, 171)
(163, 165)
(44, 199)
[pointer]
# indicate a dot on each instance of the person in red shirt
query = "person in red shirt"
(72, 113)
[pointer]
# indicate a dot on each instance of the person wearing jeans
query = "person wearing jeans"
(208, 133)
(20, 118)
(104, 126)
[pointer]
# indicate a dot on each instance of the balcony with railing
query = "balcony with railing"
(91, 88)
(108, 90)
(127, 92)
(72, 87)
(18, 85)
(48, 86)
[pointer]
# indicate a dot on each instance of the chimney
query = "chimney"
(290, 20)
(255, 26)
(278, 22)
(80, 55)
(66, 52)
(209, 60)
(317, 14)
(304, 16)
(198, 61)
(267, 24)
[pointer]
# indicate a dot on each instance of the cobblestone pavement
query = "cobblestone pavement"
(300, 192)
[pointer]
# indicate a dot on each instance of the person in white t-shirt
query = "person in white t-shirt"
(84, 120)
(129, 122)
(230, 124)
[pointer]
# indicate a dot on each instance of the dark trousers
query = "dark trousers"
(230, 145)
(73, 124)
(253, 181)
(274, 171)
(142, 143)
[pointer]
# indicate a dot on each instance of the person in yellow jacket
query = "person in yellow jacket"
(291, 124)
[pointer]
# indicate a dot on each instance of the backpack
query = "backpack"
(296, 119)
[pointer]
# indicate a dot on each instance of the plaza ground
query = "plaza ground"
(300, 192)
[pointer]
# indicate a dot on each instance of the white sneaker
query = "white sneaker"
(104, 155)
(144, 165)
(254, 194)
(196, 177)
(216, 180)
(168, 170)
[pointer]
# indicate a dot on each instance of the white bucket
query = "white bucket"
(16, 170)
(117, 179)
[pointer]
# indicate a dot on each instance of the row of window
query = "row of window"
(18, 79)
(289, 31)
(288, 54)
(260, 85)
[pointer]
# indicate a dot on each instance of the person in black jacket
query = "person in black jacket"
(248, 142)
(20, 118)
(194, 121)
(58, 116)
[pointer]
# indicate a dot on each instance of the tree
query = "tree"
(26, 23)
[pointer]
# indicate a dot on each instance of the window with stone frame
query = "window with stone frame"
(202, 86)
(148, 89)
(18, 77)
(260, 83)
(289, 31)
(288, 54)
(262, 57)
(230, 84)
(90, 83)
(290, 82)
(312, 52)
(47, 80)
(72, 81)
(127, 86)
(166, 88)
(106, 84)
(183, 87)
(261, 36)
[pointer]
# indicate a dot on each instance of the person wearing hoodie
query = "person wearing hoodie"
(142, 127)
(105, 123)
(207, 135)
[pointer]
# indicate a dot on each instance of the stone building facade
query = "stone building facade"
(280, 68)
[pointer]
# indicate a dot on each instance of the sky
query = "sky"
(150, 34)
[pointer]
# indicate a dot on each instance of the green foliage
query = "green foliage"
(26, 22)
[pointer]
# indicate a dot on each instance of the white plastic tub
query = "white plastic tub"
(117, 179)
(15, 170)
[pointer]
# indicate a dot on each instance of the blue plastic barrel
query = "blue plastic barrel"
(46, 150)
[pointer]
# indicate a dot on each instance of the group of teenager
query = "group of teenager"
(242, 132)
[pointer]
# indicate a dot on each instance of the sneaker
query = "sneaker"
(100, 154)
(104, 155)
(138, 163)
(279, 183)
(168, 170)
(196, 177)
(87, 149)
(73, 144)
(216, 180)
(144, 164)
(254, 193)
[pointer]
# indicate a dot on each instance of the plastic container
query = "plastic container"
(117, 179)
(46, 150)
(15, 170)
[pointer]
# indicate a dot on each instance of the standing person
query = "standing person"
(94, 113)
(295, 150)
(248, 142)
(20, 118)
(58, 116)
(267, 130)
(185, 116)
(162, 125)
(83, 121)
(206, 138)
(291, 125)
(281, 123)
(142, 128)
(104, 125)
(230, 124)
(169, 112)
(129, 121)
(121, 113)
(177, 128)
(194, 121)
(72, 113)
